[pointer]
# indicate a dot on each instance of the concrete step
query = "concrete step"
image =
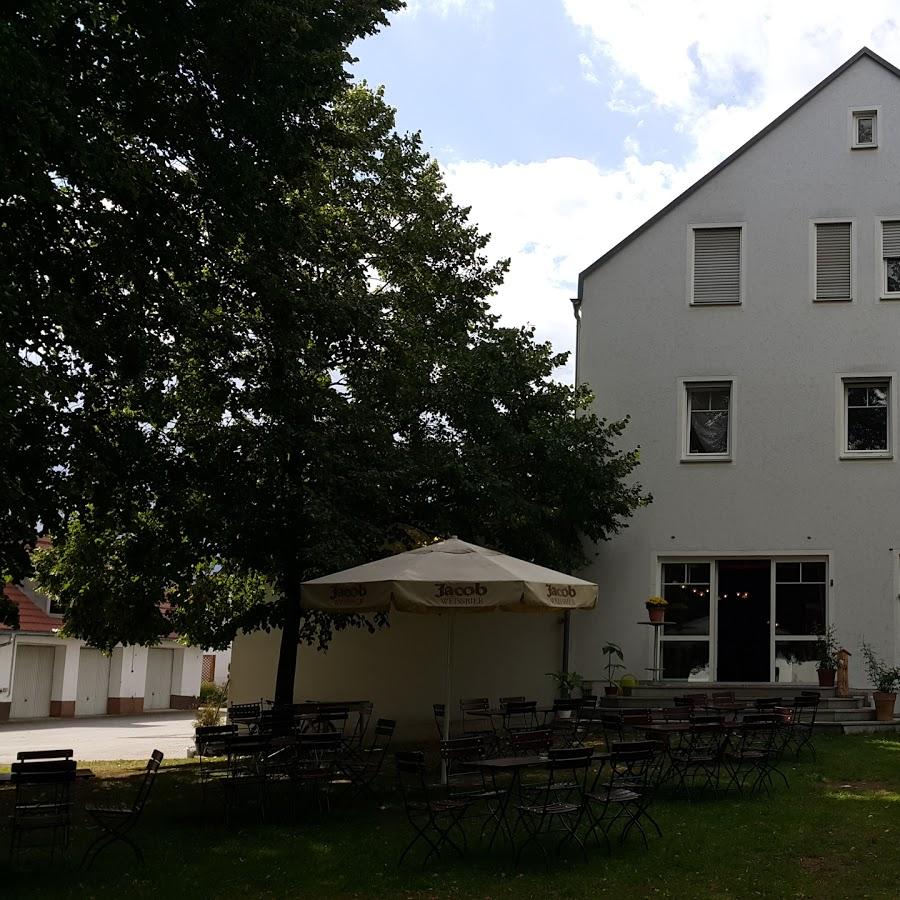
(856, 727)
(861, 714)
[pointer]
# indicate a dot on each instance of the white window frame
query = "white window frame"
(684, 418)
(841, 220)
(692, 229)
(713, 557)
(848, 379)
(880, 267)
(864, 112)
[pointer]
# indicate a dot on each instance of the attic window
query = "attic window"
(865, 129)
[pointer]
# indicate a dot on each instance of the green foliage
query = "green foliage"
(566, 682)
(612, 652)
(207, 715)
(251, 329)
(885, 678)
(827, 648)
(212, 694)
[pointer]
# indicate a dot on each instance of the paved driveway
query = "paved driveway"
(104, 737)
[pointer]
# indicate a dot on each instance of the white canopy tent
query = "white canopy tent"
(448, 577)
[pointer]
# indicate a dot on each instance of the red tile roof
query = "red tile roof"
(31, 617)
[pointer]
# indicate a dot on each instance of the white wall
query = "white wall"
(128, 672)
(187, 663)
(785, 490)
(402, 669)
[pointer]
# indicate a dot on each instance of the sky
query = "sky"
(565, 124)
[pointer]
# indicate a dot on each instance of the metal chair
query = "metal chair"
(519, 715)
(466, 781)
(627, 793)
(117, 822)
(533, 742)
(364, 765)
(552, 810)
(432, 818)
(751, 756)
(696, 758)
(802, 724)
(41, 806)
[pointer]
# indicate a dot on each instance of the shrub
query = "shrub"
(207, 715)
(211, 694)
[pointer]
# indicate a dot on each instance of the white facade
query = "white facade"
(42, 674)
(778, 484)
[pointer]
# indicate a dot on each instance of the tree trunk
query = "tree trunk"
(287, 656)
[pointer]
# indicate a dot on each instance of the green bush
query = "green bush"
(211, 694)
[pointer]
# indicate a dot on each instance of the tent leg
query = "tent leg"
(447, 703)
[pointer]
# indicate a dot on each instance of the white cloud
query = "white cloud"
(722, 70)
(587, 68)
(553, 218)
(726, 69)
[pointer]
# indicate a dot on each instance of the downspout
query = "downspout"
(567, 616)
(12, 662)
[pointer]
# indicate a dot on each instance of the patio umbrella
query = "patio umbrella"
(448, 577)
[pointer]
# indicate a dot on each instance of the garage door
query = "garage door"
(93, 683)
(32, 680)
(158, 694)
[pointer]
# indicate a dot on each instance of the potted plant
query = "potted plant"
(612, 651)
(885, 678)
(827, 650)
(566, 682)
(656, 608)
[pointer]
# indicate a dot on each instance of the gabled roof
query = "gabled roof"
(31, 617)
(865, 51)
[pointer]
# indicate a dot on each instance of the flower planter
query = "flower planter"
(826, 677)
(611, 690)
(884, 706)
(656, 613)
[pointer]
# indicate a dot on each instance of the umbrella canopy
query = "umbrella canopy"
(449, 575)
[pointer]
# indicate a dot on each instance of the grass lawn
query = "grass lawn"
(835, 832)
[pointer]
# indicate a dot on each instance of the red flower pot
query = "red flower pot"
(656, 613)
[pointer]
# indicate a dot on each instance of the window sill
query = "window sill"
(702, 303)
(833, 299)
(707, 457)
(867, 454)
(864, 146)
(889, 296)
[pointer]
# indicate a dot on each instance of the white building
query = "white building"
(42, 674)
(751, 330)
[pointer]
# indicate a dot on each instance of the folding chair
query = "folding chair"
(802, 724)
(116, 822)
(41, 805)
(364, 765)
(431, 818)
(210, 742)
(752, 755)
(553, 810)
(519, 715)
(696, 757)
(533, 742)
(627, 793)
(32, 755)
(467, 782)
(317, 760)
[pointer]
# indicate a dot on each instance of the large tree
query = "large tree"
(273, 347)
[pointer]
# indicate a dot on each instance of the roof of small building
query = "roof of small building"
(31, 617)
(864, 52)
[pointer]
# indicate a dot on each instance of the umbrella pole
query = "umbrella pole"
(447, 705)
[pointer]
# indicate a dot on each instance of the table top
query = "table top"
(524, 762)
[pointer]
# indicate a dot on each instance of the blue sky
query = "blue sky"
(564, 124)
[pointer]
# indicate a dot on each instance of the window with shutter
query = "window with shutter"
(834, 257)
(717, 265)
(890, 253)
